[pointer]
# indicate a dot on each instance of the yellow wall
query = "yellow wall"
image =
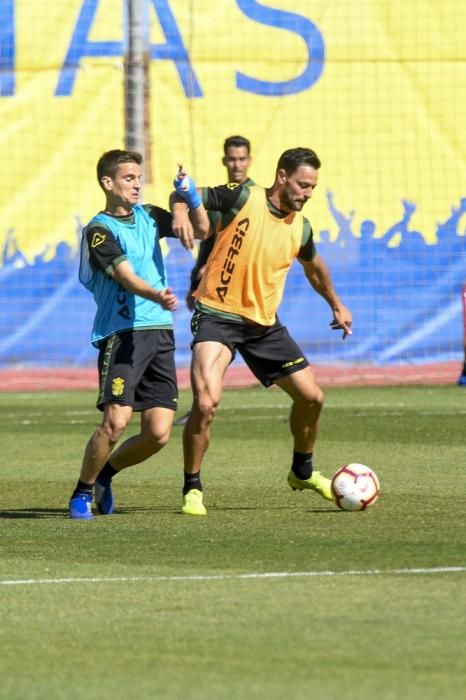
(386, 115)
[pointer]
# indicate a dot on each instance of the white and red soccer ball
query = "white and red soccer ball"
(355, 487)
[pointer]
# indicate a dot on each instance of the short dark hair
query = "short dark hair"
(236, 141)
(108, 162)
(291, 159)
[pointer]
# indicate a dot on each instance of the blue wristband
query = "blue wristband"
(194, 198)
(187, 189)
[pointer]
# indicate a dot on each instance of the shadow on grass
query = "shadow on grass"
(18, 513)
(122, 510)
(38, 513)
(35, 513)
(274, 509)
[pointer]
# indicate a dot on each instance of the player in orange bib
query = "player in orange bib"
(260, 234)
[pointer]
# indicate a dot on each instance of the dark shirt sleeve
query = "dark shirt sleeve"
(307, 252)
(104, 251)
(221, 198)
(163, 219)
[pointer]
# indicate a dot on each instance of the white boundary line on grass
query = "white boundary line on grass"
(226, 577)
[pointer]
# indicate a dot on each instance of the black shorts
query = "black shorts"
(269, 351)
(137, 368)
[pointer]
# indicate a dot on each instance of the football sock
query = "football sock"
(464, 369)
(82, 487)
(106, 474)
(192, 481)
(302, 464)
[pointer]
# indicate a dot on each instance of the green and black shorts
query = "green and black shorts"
(137, 368)
(269, 351)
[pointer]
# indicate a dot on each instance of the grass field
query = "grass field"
(275, 594)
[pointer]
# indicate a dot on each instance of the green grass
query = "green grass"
(157, 631)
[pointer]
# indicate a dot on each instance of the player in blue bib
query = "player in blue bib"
(122, 266)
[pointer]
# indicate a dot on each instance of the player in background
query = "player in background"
(260, 234)
(236, 159)
(123, 267)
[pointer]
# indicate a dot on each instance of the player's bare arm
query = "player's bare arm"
(181, 226)
(187, 193)
(127, 278)
(188, 224)
(318, 275)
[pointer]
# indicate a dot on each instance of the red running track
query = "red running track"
(29, 380)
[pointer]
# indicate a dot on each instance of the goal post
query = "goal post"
(136, 81)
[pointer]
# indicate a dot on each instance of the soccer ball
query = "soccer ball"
(355, 487)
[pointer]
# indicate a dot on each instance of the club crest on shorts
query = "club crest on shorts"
(118, 386)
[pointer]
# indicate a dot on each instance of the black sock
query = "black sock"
(192, 481)
(464, 370)
(106, 473)
(82, 487)
(302, 464)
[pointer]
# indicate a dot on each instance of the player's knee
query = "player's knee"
(160, 439)
(312, 402)
(207, 408)
(157, 434)
(114, 430)
(320, 397)
(163, 440)
(318, 400)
